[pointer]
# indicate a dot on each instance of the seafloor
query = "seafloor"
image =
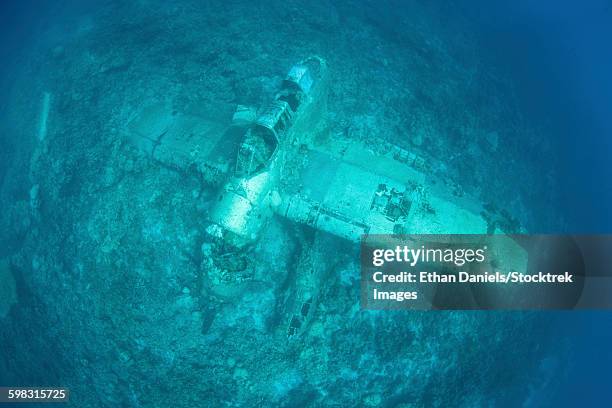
(103, 244)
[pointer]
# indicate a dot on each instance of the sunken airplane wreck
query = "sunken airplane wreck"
(288, 165)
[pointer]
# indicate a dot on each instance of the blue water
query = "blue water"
(557, 56)
(560, 55)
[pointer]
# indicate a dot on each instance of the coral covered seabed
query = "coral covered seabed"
(107, 284)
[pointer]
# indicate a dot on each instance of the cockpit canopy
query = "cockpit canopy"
(299, 82)
(277, 116)
(261, 141)
(256, 151)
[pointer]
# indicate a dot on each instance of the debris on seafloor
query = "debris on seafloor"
(44, 116)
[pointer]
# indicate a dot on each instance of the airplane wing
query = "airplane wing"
(347, 189)
(183, 141)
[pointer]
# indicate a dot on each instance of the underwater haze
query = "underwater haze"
(107, 282)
